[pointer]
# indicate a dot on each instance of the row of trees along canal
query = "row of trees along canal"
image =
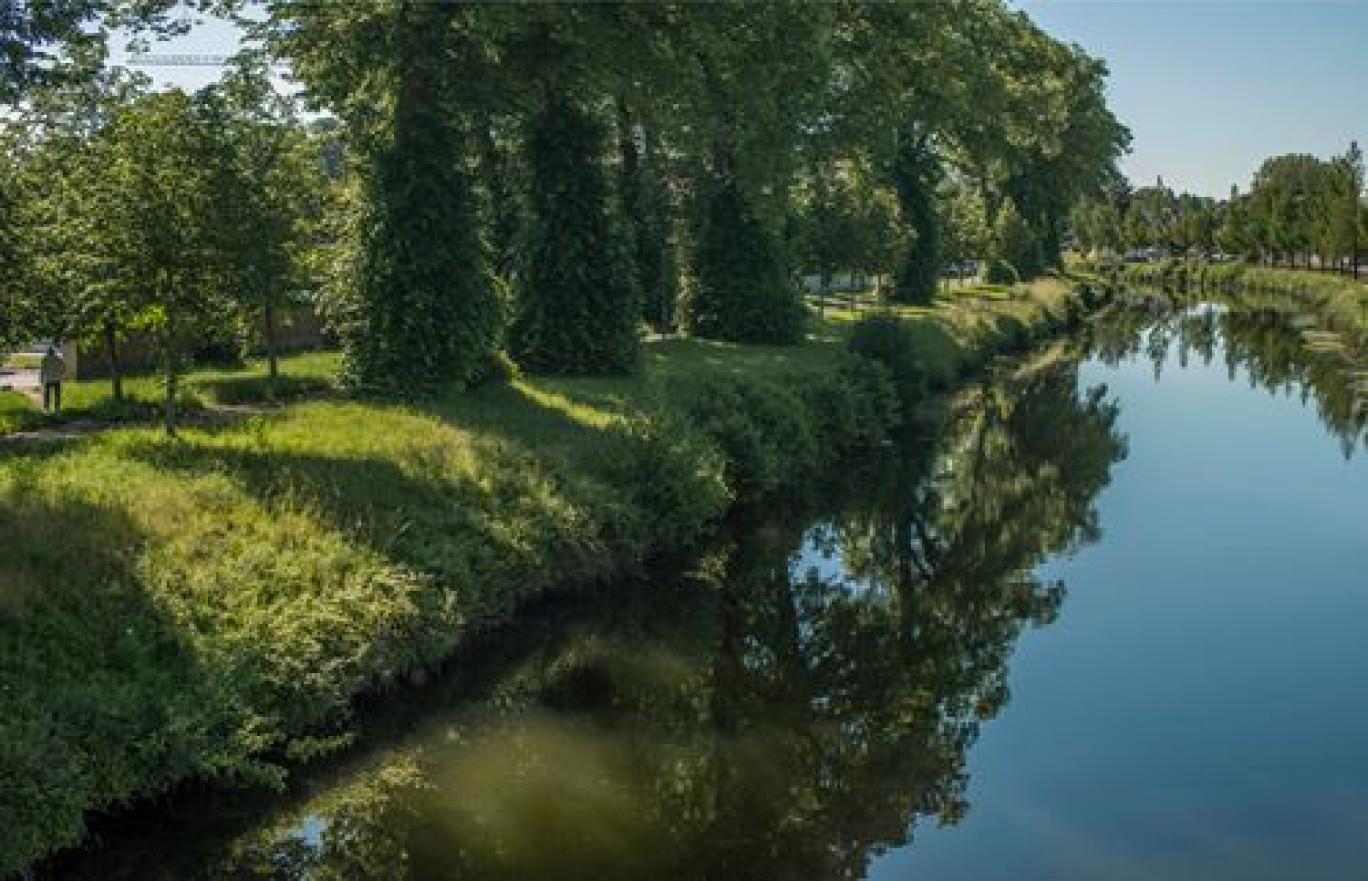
(1300, 211)
(531, 178)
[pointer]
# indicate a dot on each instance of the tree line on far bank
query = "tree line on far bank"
(1299, 211)
(536, 179)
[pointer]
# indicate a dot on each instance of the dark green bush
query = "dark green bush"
(1001, 272)
(888, 341)
(671, 471)
(764, 431)
(742, 291)
(854, 407)
(577, 310)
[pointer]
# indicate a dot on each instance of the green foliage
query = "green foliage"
(645, 202)
(158, 231)
(1019, 245)
(855, 407)
(889, 341)
(205, 608)
(917, 174)
(420, 312)
(1001, 272)
(741, 290)
(669, 466)
(273, 172)
(577, 313)
(764, 431)
(251, 579)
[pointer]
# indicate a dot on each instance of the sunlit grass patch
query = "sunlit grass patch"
(23, 360)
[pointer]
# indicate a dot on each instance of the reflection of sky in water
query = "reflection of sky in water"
(312, 830)
(819, 558)
(1198, 710)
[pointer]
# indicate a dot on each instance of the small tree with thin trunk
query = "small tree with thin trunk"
(270, 184)
(154, 174)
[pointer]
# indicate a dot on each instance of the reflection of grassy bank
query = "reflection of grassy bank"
(1341, 304)
(172, 610)
(1288, 326)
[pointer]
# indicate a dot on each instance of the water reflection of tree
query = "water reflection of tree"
(1268, 345)
(769, 717)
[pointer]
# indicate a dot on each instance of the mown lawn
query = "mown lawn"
(196, 607)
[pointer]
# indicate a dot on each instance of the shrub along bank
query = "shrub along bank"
(208, 608)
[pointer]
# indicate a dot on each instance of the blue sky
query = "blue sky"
(1209, 88)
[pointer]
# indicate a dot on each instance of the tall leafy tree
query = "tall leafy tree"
(418, 310)
(917, 176)
(647, 210)
(157, 235)
(742, 291)
(576, 308)
(273, 190)
(755, 71)
(13, 306)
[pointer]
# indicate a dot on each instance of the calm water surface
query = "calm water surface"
(1105, 622)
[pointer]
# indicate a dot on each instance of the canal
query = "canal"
(1102, 617)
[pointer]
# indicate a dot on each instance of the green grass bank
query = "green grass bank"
(208, 608)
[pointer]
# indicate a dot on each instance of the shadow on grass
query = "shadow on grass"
(522, 497)
(92, 670)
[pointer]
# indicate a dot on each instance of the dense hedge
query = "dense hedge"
(577, 310)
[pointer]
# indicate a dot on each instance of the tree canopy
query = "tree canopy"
(544, 178)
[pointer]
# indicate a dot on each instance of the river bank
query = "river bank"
(209, 608)
(696, 721)
(1339, 303)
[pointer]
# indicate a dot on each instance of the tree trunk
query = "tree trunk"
(170, 354)
(111, 341)
(268, 332)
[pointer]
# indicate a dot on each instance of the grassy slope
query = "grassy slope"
(92, 399)
(1341, 301)
(178, 609)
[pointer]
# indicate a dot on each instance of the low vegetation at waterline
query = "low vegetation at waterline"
(208, 607)
(1339, 303)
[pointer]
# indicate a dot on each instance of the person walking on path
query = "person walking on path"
(52, 372)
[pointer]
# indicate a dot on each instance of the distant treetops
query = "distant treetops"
(1299, 210)
(542, 179)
